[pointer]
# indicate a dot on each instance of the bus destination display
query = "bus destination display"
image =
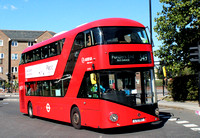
(120, 58)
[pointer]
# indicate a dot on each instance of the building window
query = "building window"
(14, 69)
(1, 55)
(30, 44)
(1, 69)
(14, 56)
(1, 42)
(14, 43)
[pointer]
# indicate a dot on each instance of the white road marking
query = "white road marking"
(172, 119)
(190, 125)
(182, 122)
(195, 129)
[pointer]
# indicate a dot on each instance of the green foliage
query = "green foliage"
(184, 88)
(159, 73)
(193, 89)
(7, 85)
(159, 83)
(15, 86)
(178, 29)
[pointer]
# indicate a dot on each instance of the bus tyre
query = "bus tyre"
(76, 118)
(30, 110)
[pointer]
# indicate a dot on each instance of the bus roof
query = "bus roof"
(97, 23)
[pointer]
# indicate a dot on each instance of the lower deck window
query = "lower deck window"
(52, 88)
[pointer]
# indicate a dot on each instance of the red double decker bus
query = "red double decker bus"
(99, 75)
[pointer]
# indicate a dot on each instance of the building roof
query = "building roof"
(21, 35)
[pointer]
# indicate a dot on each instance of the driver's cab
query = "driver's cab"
(129, 86)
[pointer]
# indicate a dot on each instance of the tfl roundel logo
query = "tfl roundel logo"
(48, 108)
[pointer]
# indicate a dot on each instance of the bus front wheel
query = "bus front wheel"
(76, 118)
(30, 110)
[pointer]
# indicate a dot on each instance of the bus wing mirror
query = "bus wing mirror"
(93, 78)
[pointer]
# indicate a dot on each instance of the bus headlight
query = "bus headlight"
(157, 111)
(114, 117)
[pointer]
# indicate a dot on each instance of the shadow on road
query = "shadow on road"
(164, 116)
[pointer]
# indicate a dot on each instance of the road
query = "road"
(176, 123)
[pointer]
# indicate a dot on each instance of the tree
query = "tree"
(178, 29)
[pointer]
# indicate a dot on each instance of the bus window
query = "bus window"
(97, 36)
(36, 54)
(78, 42)
(77, 46)
(22, 59)
(45, 52)
(60, 46)
(88, 39)
(129, 87)
(53, 49)
(29, 56)
(62, 43)
(53, 88)
(88, 89)
(38, 91)
(30, 88)
(56, 88)
(124, 35)
(46, 88)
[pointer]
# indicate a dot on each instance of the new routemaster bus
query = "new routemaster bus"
(99, 75)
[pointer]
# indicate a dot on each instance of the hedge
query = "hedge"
(184, 88)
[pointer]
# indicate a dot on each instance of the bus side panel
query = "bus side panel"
(22, 105)
(126, 115)
(22, 91)
(90, 112)
(55, 108)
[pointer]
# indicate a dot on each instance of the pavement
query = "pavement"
(190, 105)
(9, 97)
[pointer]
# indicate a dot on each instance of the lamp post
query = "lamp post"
(150, 20)
(9, 67)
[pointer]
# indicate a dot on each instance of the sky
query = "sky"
(64, 15)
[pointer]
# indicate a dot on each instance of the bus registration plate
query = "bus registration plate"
(138, 120)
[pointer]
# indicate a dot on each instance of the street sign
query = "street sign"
(195, 58)
(195, 53)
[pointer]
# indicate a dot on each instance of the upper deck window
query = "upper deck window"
(120, 35)
(50, 50)
(124, 35)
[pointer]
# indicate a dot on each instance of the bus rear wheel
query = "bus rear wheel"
(76, 118)
(30, 110)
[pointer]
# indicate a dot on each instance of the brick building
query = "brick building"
(19, 40)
